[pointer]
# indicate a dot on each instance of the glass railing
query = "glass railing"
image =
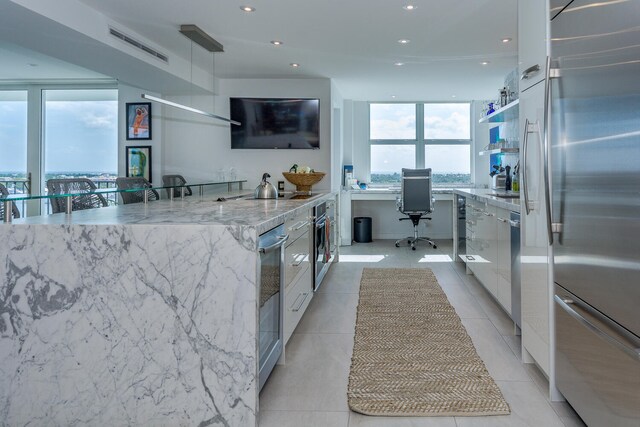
(102, 197)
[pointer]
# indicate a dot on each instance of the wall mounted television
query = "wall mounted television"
(268, 123)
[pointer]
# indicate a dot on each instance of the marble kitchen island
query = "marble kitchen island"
(142, 314)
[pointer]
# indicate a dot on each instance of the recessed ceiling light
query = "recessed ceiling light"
(247, 9)
(393, 96)
(276, 42)
(453, 96)
(403, 41)
(398, 64)
(294, 64)
(409, 7)
(485, 62)
(506, 39)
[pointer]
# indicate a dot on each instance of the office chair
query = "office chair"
(79, 202)
(135, 183)
(175, 181)
(415, 202)
(14, 209)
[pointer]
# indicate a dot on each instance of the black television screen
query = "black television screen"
(275, 123)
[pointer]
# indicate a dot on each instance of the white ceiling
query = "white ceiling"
(353, 42)
(21, 64)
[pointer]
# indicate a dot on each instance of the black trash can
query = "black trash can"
(362, 229)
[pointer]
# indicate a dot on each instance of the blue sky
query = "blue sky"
(79, 136)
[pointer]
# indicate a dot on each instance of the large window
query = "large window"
(13, 134)
(81, 135)
(441, 140)
(13, 142)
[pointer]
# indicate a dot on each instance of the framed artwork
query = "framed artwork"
(138, 120)
(139, 162)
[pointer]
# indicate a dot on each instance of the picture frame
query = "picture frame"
(138, 121)
(139, 161)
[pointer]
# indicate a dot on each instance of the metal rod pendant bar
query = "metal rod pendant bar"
(187, 108)
(68, 205)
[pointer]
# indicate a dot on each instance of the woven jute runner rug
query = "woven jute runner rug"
(412, 356)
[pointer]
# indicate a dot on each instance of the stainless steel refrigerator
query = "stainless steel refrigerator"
(593, 150)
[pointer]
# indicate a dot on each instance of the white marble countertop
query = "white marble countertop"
(490, 197)
(262, 214)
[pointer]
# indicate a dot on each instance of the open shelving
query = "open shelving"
(503, 114)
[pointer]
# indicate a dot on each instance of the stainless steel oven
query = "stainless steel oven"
(271, 294)
(324, 247)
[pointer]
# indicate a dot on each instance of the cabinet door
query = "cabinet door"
(504, 258)
(486, 271)
(296, 301)
(472, 256)
(533, 20)
(534, 247)
(298, 280)
(296, 256)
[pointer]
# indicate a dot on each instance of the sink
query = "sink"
(507, 196)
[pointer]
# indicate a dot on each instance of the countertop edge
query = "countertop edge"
(486, 194)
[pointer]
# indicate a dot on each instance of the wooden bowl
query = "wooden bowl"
(303, 181)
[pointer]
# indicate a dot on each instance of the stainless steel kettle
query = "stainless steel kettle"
(266, 190)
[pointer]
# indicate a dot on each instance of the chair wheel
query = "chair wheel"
(413, 248)
(397, 245)
(408, 242)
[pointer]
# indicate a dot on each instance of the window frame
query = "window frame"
(420, 142)
(35, 125)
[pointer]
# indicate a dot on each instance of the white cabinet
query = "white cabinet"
(532, 41)
(503, 233)
(488, 248)
(297, 272)
(486, 270)
(534, 247)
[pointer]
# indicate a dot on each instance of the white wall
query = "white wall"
(132, 94)
(480, 164)
(361, 153)
(196, 146)
(337, 134)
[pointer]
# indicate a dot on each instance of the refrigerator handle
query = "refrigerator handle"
(525, 140)
(547, 142)
(630, 347)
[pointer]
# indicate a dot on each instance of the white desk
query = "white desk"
(347, 196)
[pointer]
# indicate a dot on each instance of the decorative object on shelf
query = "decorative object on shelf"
(294, 168)
(347, 174)
(491, 109)
(303, 181)
(139, 162)
(504, 97)
(515, 182)
(138, 120)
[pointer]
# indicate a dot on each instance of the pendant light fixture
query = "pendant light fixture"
(195, 34)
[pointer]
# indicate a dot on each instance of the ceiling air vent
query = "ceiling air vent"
(125, 38)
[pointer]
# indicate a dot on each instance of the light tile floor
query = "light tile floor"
(311, 388)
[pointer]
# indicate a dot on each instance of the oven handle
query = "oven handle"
(281, 241)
